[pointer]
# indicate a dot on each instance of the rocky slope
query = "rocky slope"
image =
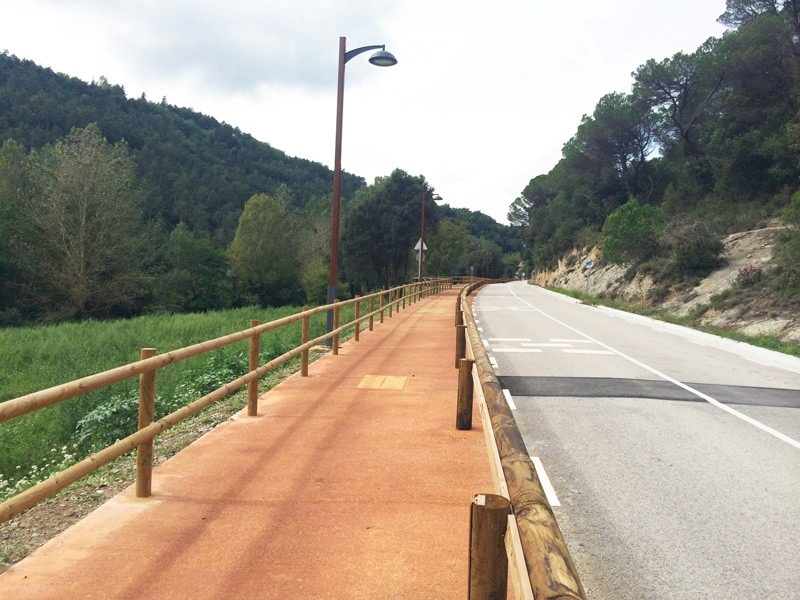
(585, 272)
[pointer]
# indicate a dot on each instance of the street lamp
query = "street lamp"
(434, 197)
(381, 58)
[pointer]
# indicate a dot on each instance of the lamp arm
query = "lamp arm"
(351, 53)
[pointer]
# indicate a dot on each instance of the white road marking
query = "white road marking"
(712, 401)
(582, 351)
(509, 399)
(493, 361)
(523, 350)
(571, 341)
(549, 490)
(509, 339)
(547, 345)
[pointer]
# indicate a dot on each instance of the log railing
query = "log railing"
(387, 301)
(550, 568)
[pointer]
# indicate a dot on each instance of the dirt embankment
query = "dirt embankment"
(585, 272)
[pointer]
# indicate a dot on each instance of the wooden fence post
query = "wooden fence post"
(254, 359)
(391, 302)
(358, 318)
(336, 325)
(381, 306)
(461, 343)
(488, 562)
(304, 335)
(371, 310)
(147, 411)
(465, 388)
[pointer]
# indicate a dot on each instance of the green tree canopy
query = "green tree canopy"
(85, 246)
(630, 233)
(263, 253)
(381, 227)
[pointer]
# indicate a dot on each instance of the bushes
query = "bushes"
(787, 250)
(694, 249)
(630, 233)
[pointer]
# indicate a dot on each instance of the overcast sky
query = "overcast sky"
(482, 99)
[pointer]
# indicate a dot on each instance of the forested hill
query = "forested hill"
(198, 171)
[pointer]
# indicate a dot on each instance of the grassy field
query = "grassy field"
(36, 445)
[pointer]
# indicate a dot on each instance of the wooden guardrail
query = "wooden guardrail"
(550, 567)
(387, 301)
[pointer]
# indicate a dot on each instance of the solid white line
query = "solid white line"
(548, 488)
(493, 361)
(509, 339)
(713, 402)
(509, 399)
(571, 341)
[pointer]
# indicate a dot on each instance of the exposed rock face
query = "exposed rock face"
(583, 271)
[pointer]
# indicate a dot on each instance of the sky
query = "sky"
(482, 99)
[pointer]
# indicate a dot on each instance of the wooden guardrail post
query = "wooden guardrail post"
(305, 331)
(254, 359)
(461, 343)
(381, 306)
(391, 302)
(465, 389)
(336, 326)
(147, 412)
(488, 562)
(357, 307)
(371, 310)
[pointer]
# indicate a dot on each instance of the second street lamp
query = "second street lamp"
(381, 58)
(434, 197)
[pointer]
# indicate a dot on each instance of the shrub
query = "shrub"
(749, 275)
(630, 233)
(695, 249)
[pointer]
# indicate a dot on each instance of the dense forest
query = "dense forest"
(112, 206)
(704, 144)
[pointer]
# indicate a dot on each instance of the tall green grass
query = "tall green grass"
(36, 358)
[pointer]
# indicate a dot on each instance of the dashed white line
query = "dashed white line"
(582, 351)
(712, 401)
(549, 490)
(521, 350)
(509, 399)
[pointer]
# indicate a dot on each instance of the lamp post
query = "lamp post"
(434, 197)
(381, 58)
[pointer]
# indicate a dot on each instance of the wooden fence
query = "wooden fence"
(377, 306)
(550, 568)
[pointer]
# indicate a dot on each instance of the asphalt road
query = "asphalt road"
(674, 455)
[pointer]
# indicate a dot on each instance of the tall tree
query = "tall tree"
(12, 167)
(196, 273)
(85, 248)
(263, 253)
(617, 139)
(381, 227)
(680, 89)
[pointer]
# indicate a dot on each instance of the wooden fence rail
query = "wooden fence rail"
(549, 564)
(149, 364)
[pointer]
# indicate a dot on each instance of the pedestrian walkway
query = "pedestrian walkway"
(351, 483)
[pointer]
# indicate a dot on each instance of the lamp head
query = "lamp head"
(382, 58)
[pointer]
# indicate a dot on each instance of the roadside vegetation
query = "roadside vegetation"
(38, 444)
(692, 320)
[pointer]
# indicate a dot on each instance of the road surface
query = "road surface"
(674, 455)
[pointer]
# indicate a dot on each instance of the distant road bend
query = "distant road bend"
(673, 455)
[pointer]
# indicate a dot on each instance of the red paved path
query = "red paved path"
(332, 491)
